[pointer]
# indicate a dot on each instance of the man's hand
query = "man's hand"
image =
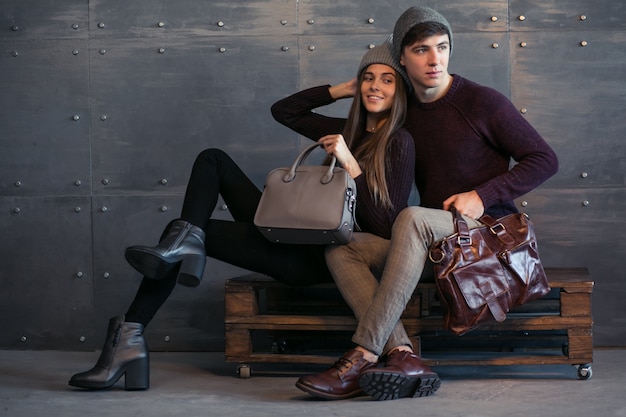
(468, 204)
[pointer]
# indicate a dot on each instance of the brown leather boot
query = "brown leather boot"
(339, 382)
(404, 375)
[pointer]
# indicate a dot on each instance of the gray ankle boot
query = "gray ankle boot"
(182, 243)
(125, 352)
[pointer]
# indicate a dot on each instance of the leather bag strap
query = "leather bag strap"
(498, 229)
(464, 240)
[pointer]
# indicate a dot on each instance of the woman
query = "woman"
(385, 158)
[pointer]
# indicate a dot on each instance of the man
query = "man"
(465, 137)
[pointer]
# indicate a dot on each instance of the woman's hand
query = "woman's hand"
(344, 90)
(468, 204)
(336, 145)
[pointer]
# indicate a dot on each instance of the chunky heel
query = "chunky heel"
(191, 270)
(138, 375)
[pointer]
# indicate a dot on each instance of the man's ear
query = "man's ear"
(402, 59)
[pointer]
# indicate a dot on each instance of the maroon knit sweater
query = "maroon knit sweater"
(465, 141)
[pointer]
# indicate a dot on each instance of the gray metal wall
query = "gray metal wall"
(105, 104)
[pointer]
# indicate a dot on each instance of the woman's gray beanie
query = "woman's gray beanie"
(414, 16)
(381, 54)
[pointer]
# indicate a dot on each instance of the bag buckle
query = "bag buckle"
(496, 229)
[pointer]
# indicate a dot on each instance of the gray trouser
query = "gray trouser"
(377, 277)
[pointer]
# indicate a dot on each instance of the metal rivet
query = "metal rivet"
(311, 47)
(494, 18)
(310, 21)
(495, 45)
(75, 26)
(166, 338)
(585, 203)
(106, 275)
(522, 18)
(163, 181)
(583, 17)
(104, 117)
(18, 183)
(100, 25)
(524, 203)
(102, 51)
(370, 20)
(284, 48)
(160, 24)
(77, 209)
(161, 50)
(79, 274)
(163, 209)
(75, 51)
(283, 22)
(583, 175)
(220, 24)
(14, 54)
(224, 207)
(16, 210)
(76, 117)
(23, 339)
(104, 209)
(15, 28)
(82, 339)
(222, 49)
(583, 43)
(77, 183)
(105, 181)
(523, 44)
(523, 110)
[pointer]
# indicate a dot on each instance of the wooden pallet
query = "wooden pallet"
(556, 329)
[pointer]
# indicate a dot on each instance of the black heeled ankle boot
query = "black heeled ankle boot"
(125, 352)
(183, 243)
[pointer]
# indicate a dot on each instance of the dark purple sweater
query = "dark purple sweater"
(296, 112)
(465, 141)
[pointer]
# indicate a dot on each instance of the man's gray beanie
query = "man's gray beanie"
(414, 16)
(381, 54)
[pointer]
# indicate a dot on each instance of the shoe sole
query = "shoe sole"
(136, 378)
(390, 386)
(326, 395)
(149, 265)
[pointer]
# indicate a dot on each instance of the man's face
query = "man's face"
(426, 63)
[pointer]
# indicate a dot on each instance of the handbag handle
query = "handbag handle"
(464, 240)
(326, 178)
(496, 227)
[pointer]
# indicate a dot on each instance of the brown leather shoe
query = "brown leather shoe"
(339, 382)
(404, 375)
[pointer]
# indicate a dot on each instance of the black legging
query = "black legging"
(236, 242)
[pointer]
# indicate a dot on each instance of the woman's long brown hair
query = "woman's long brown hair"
(372, 153)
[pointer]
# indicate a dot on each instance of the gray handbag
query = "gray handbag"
(307, 204)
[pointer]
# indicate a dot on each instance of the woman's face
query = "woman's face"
(378, 88)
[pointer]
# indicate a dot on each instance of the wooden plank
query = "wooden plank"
(237, 342)
(241, 304)
(575, 304)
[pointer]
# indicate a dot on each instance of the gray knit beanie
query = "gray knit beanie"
(414, 16)
(381, 54)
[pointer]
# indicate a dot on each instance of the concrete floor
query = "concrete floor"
(34, 383)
